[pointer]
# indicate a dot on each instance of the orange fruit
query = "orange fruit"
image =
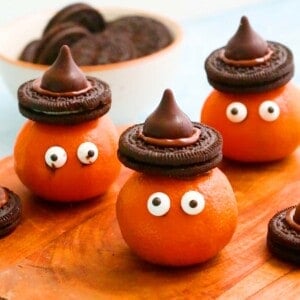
(261, 135)
(169, 233)
(76, 179)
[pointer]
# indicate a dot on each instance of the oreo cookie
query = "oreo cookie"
(10, 211)
(283, 237)
(62, 34)
(169, 144)
(249, 64)
(113, 47)
(85, 51)
(147, 34)
(64, 95)
(81, 14)
(29, 52)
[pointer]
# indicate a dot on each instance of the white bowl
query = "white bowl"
(137, 85)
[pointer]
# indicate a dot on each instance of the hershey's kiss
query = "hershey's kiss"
(293, 217)
(296, 217)
(168, 121)
(246, 43)
(64, 75)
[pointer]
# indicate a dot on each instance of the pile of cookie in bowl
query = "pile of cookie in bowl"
(125, 47)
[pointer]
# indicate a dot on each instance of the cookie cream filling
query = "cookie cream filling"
(58, 113)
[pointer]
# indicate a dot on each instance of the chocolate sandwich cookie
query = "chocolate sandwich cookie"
(85, 51)
(283, 237)
(79, 13)
(62, 34)
(147, 34)
(10, 211)
(29, 52)
(113, 47)
(64, 95)
(168, 143)
(248, 63)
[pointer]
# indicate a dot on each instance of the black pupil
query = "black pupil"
(193, 203)
(53, 157)
(234, 111)
(156, 201)
(270, 109)
(90, 153)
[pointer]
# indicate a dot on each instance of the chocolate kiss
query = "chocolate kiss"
(296, 217)
(246, 43)
(64, 75)
(168, 121)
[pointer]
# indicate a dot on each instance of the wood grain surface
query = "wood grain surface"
(76, 251)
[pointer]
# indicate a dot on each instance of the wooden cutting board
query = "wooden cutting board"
(76, 251)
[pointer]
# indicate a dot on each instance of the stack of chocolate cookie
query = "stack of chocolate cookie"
(93, 40)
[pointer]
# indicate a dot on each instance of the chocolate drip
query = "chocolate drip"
(168, 121)
(64, 75)
(246, 43)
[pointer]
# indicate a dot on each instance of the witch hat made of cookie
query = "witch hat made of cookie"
(248, 63)
(64, 95)
(168, 143)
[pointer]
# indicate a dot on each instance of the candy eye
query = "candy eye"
(236, 112)
(87, 153)
(269, 111)
(192, 202)
(158, 204)
(55, 157)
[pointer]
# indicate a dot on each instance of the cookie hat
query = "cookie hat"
(64, 95)
(248, 63)
(283, 238)
(169, 144)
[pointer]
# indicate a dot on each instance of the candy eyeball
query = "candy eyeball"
(55, 157)
(236, 112)
(192, 203)
(269, 111)
(87, 153)
(158, 204)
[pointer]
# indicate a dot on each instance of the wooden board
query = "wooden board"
(75, 251)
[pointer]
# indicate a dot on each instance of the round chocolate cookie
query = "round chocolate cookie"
(249, 64)
(79, 13)
(113, 47)
(147, 34)
(64, 95)
(283, 239)
(29, 52)
(168, 143)
(59, 35)
(10, 211)
(85, 51)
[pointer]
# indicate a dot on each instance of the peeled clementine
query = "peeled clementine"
(177, 222)
(83, 160)
(260, 127)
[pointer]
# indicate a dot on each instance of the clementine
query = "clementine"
(177, 222)
(67, 163)
(256, 127)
